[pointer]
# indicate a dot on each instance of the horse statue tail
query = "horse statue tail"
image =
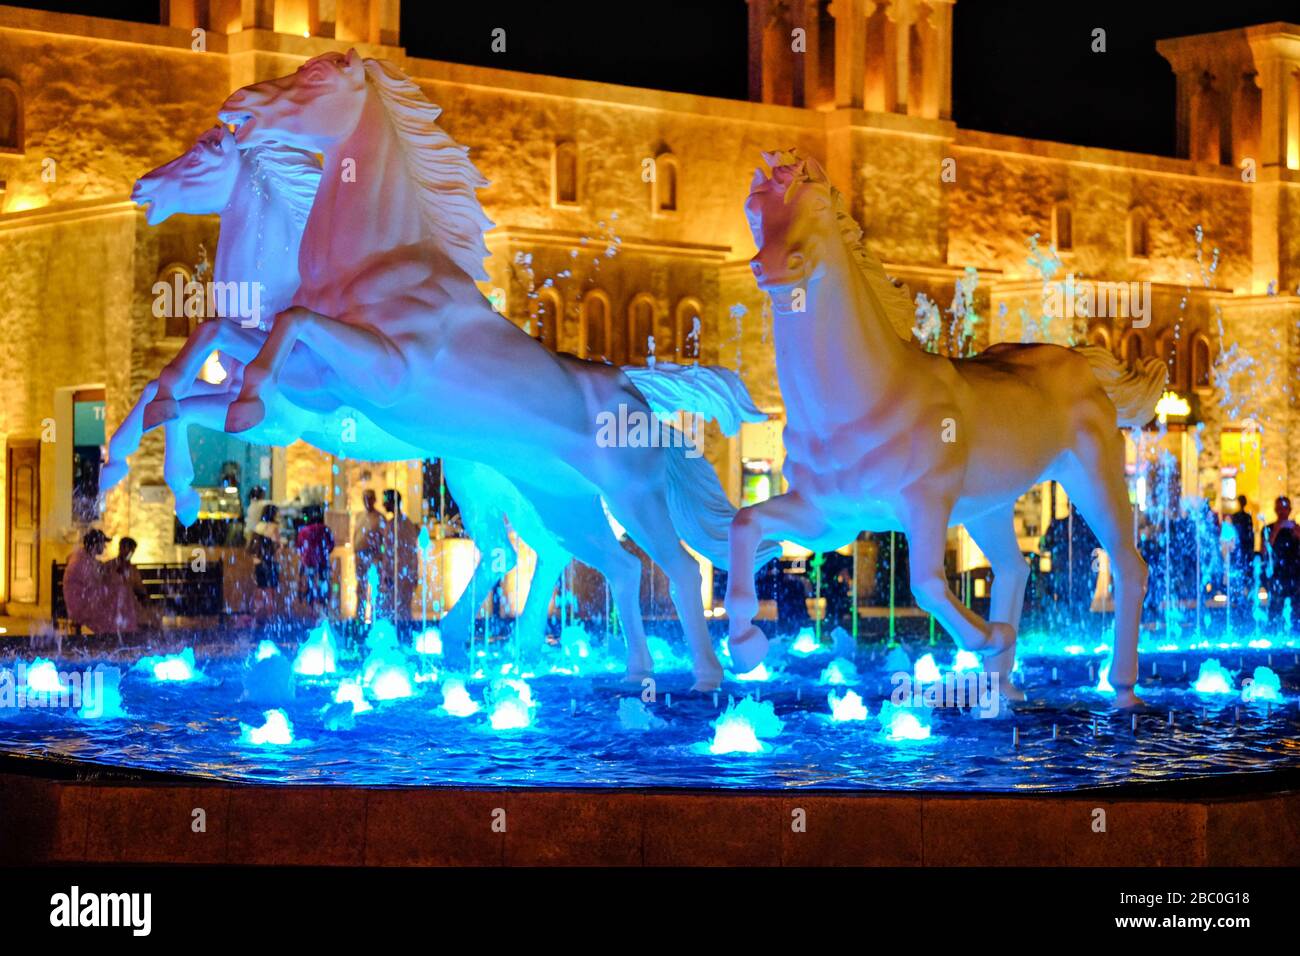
(1134, 392)
(698, 506)
(709, 390)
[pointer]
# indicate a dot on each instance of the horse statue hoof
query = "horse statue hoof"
(747, 649)
(1011, 692)
(706, 682)
(1127, 699)
(1000, 659)
(187, 507)
(111, 474)
(159, 412)
(244, 414)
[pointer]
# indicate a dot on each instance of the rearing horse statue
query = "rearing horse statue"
(263, 196)
(883, 436)
(391, 323)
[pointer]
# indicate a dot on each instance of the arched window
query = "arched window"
(640, 328)
(550, 309)
(595, 335)
(689, 322)
(175, 304)
(11, 117)
(564, 174)
(666, 186)
(1139, 237)
(1100, 335)
(1063, 226)
(1132, 350)
(1202, 362)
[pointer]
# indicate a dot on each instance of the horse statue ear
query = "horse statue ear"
(353, 61)
(227, 139)
(814, 171)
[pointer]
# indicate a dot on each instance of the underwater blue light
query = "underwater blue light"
(900, 724)
(277, 730)
(429, 641)
(805, 643)
(175, 667)
(318, 654)
(926, 670)
(1213, 678)
(456, 699)
(43, 677)
(847, 708)
(839, 672)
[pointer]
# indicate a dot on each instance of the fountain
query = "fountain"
(584, 696)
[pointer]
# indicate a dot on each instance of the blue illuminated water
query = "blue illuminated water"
(584, 728)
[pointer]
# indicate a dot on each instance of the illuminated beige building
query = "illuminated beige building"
(87, 105)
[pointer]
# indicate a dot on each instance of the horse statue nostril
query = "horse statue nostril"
(757, 268)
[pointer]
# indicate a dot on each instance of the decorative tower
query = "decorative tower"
(888, 56)
(355, 21)
(1239, 105)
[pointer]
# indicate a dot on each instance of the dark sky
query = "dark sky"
(1021, 67)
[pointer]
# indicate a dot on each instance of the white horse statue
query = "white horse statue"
(263, 196)
(883, 436)
(390, 323)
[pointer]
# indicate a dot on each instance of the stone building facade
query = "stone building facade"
(619, 219)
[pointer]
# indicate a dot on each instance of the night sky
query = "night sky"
(1022, 67)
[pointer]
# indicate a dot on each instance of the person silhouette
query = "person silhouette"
(1283, 558)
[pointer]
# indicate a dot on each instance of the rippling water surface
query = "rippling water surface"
(577, 740)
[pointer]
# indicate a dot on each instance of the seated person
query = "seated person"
(97, 598)
(146, 613)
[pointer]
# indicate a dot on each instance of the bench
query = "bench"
(175, 590)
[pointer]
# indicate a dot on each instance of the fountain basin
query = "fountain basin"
(405, 782)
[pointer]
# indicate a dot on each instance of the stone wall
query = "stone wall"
(108, 101)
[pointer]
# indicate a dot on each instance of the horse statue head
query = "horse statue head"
(201, 180)
(793, 214)
(804, 231)
(206, 179)
(336, 99)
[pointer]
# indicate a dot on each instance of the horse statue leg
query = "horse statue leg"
(995, 534)
(1093, 477)
(644, 511)
(579, 526)
(781, 517)
(496, 558)
(530, 628)
(925, 522)
(365, 361)
(179, 376)
(178, 465)
(588, 536)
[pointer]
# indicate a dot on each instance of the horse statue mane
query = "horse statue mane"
(789, 167)
(288, 174)
(439, 166)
